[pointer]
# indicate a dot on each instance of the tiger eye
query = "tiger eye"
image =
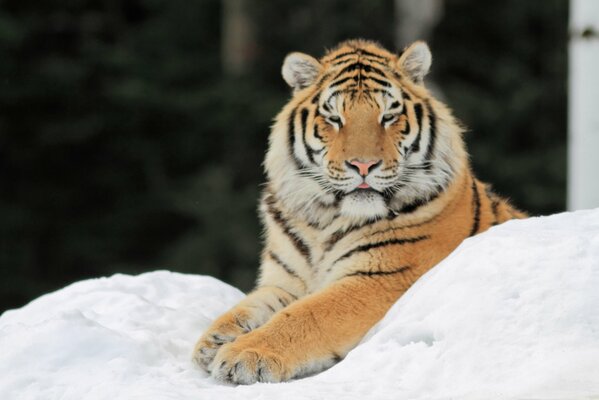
(388, 118)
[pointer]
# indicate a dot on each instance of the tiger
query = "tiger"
(368, 186)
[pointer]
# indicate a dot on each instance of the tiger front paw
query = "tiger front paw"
(223, 331)
(241, 364)
(206, 348)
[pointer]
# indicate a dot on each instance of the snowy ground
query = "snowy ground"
(512, 313)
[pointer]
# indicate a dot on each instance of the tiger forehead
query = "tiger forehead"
(357, 49)
(360, 75)
(360, 68)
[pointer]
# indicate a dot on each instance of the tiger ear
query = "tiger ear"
(300, 70)
(415, 61)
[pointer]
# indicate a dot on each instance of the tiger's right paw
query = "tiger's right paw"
(206, 348)
(224, 330)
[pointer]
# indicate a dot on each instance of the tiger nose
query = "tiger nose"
(363, 167)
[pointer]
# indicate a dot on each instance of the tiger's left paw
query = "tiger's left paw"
(245, 365)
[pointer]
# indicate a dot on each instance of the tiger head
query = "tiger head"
(361, 134)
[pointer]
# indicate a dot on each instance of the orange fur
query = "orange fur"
(333, 264)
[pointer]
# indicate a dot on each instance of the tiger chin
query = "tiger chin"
(368, 187)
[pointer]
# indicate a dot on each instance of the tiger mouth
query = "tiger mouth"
(363, 191)
(369, 193)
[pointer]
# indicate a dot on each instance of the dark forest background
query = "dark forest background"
(132, 132)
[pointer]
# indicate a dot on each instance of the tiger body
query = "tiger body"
(369, 186)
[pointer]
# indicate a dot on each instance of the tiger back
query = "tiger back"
(369, 186)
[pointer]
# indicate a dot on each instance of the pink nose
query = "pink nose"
(363, 167)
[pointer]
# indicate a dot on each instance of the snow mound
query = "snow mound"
(511, 313)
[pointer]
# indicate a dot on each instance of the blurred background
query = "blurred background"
(132, 132)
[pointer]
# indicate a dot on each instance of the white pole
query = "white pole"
(583, 106)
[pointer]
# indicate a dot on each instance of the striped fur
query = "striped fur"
(337, 256)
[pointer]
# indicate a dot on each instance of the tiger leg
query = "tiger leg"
(311, 334)
(247, 315)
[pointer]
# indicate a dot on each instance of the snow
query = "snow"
(511, 313)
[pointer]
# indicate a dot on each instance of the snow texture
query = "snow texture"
(511, 313)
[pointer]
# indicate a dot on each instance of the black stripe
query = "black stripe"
(349, 59)
(406, 130)
(340, 234)
(379, 273)
(340, 81)
(432, 118)
(335, 237)
(384, 243)
(243, 324)
(358, 52)
(291, 131)
(218, 339)
(476, 208)
(295, 239)
(369, 54)
(294, 297)
(379, 81)
(395, 104)
(415, 147)
(360, 66)
(309, 153)
(396, 74)
(354, 59)
(494, 204)
(291, 135)
(370, 68)
(322, 80)
(383, 91)
(495, 210)
(316, 98)
(397, 228)
(338, 56)
(304, 119)
(413, 206)
(282, 302)
(316, 133)
(418, 112)
(309, 150)
(286, 267)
